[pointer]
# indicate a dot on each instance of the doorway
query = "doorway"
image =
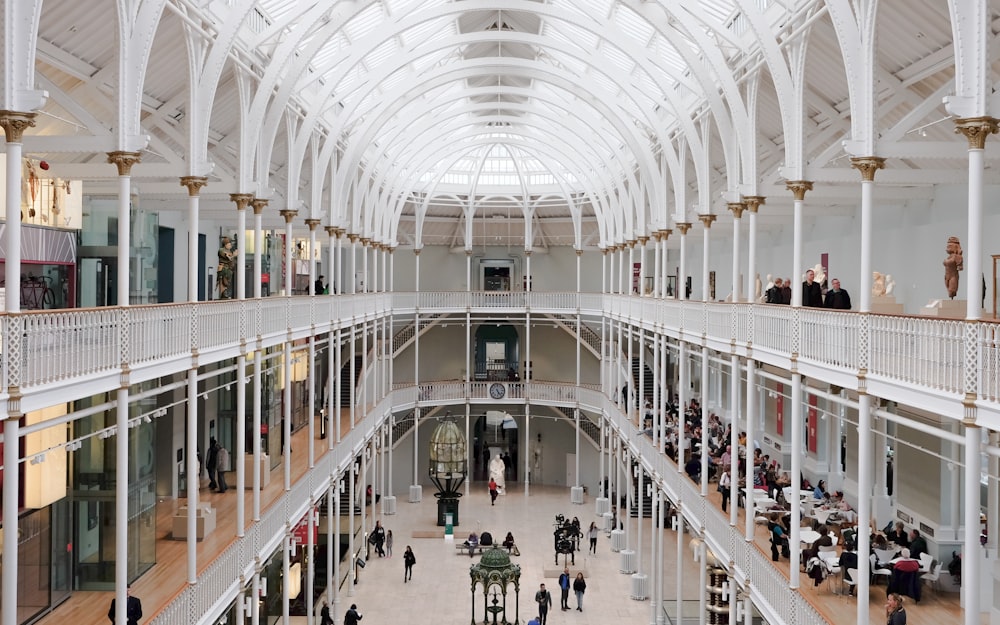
(496, 275)
(98, 277)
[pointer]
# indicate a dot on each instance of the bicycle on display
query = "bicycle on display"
(36, 293)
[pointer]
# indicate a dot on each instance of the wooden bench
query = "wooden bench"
(462, 548)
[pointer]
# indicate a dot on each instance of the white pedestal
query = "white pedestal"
(204, 522)
(607, 521)
(945, 308)
(265, 471)
(389, 504)
(576, 495)
(603, 504)
(627, 561)
(416, 493)
(617, 540)
(886, 305)
(640, 587)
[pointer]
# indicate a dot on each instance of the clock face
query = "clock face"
(497, 391)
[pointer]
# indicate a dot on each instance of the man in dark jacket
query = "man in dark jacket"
(837, 298)
(812, 294)
(773, 294)
(133, 608)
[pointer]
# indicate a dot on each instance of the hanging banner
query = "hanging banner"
(811, 424)
(779, 409)
(636, 270)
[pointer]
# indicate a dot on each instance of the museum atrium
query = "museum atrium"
(346, 224)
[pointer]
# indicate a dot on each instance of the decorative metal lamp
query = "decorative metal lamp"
(495, 574)
(448, 468)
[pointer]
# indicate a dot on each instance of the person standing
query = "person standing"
(378, 535)
(212, 462)
(318, 288)
(133, 608)
(579, 587)
(592, 535)
(837, 298)
(894, 612)
(812, 292)
(725, 482)
(324, 614)
(564, 585)
(493, 492)
(544, 600)
(388, 544)
(221, 466)
(408, 561)
(353, 616)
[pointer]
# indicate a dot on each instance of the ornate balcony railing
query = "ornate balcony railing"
(43, 350)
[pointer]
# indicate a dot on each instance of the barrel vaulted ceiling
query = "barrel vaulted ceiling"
(472, 122)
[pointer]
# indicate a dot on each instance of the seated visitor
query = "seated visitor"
(508, 542)
(472, 542)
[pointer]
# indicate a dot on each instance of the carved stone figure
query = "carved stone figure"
(890, 284)
(758, 287)
(496, 471)
(878, 284)
(952, 265)
(227, 262)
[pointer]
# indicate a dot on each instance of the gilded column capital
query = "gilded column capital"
(242, 200)
(331, 231)
(193, 183)
(683, 227)
(14, 123)
(643, 241)
(365, 241)
(416, 251)
(799, 188)
(124, 161)
(353, 237)
(868, 165)
(666, 234)
(976, 129)
(579, 252)
(754, 202)
(707, 219)
(259, 205)
(288, 214)
(736, 208)
(630, 243)
(526, 253)
(312, 223)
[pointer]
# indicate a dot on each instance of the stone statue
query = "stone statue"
(890, 284)
(758, 288)
(227, 262)
(952, 265)
(496, 471)
(878, 284)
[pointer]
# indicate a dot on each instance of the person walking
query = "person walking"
(133, 608)
(221, 466)
(564, 585)
(592, 536)
(493, 492)
(408, 561)
(579, 587)
(324, 614)
(353, 616)
(212, 462)
(725, 484)
(388, 544)
(544, 600)
(894, 612)
(378, 539)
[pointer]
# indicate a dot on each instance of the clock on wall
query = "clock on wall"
(497, 390)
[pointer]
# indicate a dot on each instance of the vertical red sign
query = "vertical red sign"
(779, 409)
(636, 269)
(812, 425)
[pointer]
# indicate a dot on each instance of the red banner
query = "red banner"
(812, 424)
(779, 409)
(301, 531)
(636, 270)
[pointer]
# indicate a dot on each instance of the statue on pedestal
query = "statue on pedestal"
(878, 284)
(224, 274)
(497, 467)
(952, 265)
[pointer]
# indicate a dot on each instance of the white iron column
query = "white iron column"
(340, 276)
(867, 165)
(331, 258)
(753, 203)
(657, 251)
(579, 254)
(734, 442)
(642, 265)
(124, 161)
(976, 130)
(798, 189)
(242, 200)
(706, 291)
(352, 277)
(365, 277)
(682, 278)
(312, 224)
(258, 249)
(527, 260)
(704, 418)
(665, 270)
(864, 501)
(416, 270)
(796, 470)
(748, 530)
(288, 216)
(737, 208)
(14, 124)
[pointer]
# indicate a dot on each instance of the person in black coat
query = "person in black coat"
(849, 560)
(837, 298)
(133, 608)
(353, 616)
(812, 294)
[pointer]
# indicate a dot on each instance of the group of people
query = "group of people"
(543, 598)
(381, 540)
(814, 294)
(217, 464)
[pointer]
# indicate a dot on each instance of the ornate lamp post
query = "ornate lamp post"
(448, 468)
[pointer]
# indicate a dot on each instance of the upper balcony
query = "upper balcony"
(942, 361)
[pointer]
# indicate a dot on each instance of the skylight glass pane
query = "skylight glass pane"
(623, 61)
(374, 59)
(365, 23)
(632, 24)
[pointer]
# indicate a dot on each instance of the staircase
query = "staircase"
(345, 379)
(588, 427)
(407, 334)
(647, 379)
(647, 502)
(590, 338)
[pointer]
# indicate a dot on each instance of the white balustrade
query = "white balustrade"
(989, 362)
